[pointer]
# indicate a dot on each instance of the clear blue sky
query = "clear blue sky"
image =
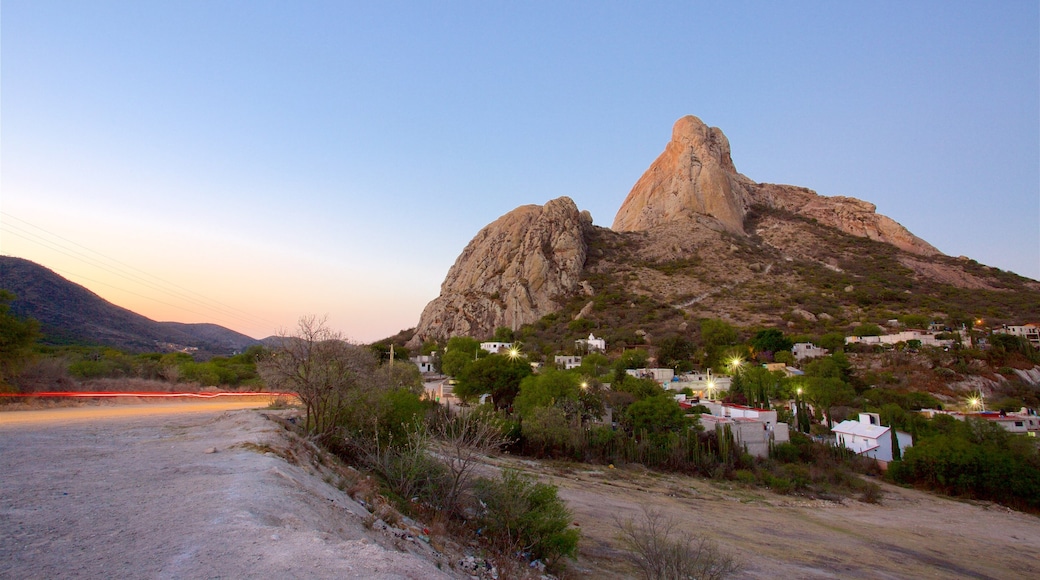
(274, 159)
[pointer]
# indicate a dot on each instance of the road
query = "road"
(175, 490)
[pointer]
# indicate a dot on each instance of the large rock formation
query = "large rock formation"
(513, 272)
(696, 175)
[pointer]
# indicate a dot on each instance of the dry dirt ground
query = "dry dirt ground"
(140, 496)
(177, 491)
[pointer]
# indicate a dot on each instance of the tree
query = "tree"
(757, 384)
(868, 329)
(832, 341)
(717, 333)
(523, 515)
(504, 334)
(660, 414)
(497, 375)
(546, 389)
(326, 372)
(674, 350)
(460, 352)
(771, 340)
(17, 335)
(825, 393)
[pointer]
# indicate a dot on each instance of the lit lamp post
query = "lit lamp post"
(977, 402)
(709, 386)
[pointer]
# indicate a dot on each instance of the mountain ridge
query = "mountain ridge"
(694, 238)
(70, 313)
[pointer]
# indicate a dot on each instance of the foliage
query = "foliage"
(662, 552)
(328, 374)
(758, 385)
(522, 515)
(771, 340)
(17, 336)
(973, 458)
(459, 353)
(674, 350)
(497, 375)
(657, 414)
(867, 329)
(546, 389)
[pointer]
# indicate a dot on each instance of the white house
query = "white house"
(703, 385)
(662, 376)
(567, 362)
(869, 437)
(496, 347)
(591, 344)
(924, 337)
(1030, 332)
(424, 362)
(755, 429)
(804, 350)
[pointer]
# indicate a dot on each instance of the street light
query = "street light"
(734, 364)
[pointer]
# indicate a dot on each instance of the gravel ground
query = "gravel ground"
(177, 493)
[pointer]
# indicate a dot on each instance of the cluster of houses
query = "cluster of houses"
(758, 429)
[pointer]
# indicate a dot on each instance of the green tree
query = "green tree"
(460, 352)
(523, 515)
(771, 340)
(658, 414)
(826, 393)
(832, 341)
(674, 350)
(497, 375)
(546, 389)
(504, 334)
(868, 329)
(17, 336)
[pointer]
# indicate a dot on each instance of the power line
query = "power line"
(120, 270)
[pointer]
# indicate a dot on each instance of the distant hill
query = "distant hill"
(71, 314)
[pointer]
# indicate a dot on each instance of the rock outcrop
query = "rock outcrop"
(516, 270)
(696, 175)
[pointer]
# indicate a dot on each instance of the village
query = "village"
(703, 395)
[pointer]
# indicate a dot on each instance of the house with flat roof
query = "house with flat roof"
(754, 429)
(867, 436)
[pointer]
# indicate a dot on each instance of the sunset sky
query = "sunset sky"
(246, 163)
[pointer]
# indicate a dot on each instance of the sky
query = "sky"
(247, 163)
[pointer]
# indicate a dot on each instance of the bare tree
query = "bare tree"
(663, 552)
(325, 371)
(463, 440)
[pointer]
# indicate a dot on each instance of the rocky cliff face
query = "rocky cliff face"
(516, 270)
(696, 175)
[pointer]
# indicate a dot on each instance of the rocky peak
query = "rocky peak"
(695, 174)
(513, 272)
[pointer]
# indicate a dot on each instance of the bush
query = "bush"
(523, 515)
(661, 552)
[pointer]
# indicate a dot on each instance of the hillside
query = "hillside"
(71, 314)
(695, 239)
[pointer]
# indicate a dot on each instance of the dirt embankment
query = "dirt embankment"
(180, 496)
(171, 496)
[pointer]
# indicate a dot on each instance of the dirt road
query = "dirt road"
(175, 491)
(194, 493)
(910, 535)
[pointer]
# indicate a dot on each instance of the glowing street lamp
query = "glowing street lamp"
(977, 402)
(734, 364)
(514, 353)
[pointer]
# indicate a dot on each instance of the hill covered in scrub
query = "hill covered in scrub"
(695, 239)
(70, 314)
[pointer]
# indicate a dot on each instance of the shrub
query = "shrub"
(521, 514)
(661, 552)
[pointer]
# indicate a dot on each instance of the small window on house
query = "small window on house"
(1018, 424)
